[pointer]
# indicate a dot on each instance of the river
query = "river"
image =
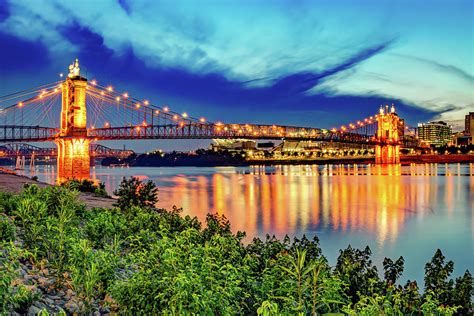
(407, 211)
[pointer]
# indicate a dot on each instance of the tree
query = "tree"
(355, 269)
(392, 270)
(463, 292)
(436, 277)
(133, 192)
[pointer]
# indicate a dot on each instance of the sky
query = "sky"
(308, 63)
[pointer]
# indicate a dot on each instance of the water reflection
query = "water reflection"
(306, 199)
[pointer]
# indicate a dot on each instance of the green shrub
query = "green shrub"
(103, 225)
(7, 229)
(13, 298)
(87, 186)
(133, 192)
(145, 260)
(7, 202)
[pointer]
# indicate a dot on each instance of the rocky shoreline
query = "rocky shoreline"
(52, 295)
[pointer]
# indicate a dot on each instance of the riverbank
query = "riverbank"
(209, 160)
(13, 183)
(453, 158)
(57, 258)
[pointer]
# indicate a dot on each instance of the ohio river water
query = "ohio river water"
(397, 210)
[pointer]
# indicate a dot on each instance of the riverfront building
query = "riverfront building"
(469, 124)
(434, 133)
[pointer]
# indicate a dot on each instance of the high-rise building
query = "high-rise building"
(469, 124)
(434, 133)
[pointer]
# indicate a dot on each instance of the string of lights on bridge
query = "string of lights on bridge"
(144, 106)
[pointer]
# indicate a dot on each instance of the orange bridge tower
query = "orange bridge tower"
(389, 131)
(72, 141)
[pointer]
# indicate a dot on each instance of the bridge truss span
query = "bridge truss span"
(14, 133)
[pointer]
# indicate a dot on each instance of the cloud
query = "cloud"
(300, 56)
(451, 70)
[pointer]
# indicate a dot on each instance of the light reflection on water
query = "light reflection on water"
(396, 210)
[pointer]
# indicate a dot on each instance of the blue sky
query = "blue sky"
(311, 63)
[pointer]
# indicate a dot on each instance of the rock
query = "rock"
(45, 282)
(70, 294)
(96, 313)
(71, 307)
(39, 305)
(33, 310)
(61, 293)
(28, 277)
(48, 301)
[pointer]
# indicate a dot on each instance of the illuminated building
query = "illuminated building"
(434, 133)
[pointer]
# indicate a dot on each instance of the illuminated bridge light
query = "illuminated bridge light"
(20, 104)
(93, 82)
(125, 95)
(166, 109)
(106, 124)
(102, 93)
(175, 117)
(146, 102)
(157, 112)
(137, 105)
(184, 115)
(110, 89)
(181, 124)
(137, 128)
(202, 120)
(117, 98)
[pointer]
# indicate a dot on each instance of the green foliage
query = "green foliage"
(7, 229)
(393, 269)
(145, 260)
(7, 202)
(104, 225)
(13, 298)
(355, 269)
(87, 186)
(463, 293)
(437, 273)
(133, 192)
(92, 270)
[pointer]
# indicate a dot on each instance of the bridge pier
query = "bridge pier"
(389, 130)
(73, 158)
(73, 143)
(387, 154)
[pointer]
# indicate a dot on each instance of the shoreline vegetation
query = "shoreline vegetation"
(57, 256)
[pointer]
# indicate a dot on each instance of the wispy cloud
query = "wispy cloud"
(266, 54)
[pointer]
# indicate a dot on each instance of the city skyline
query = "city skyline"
(314, 64)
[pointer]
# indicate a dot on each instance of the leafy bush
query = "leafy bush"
(144, 260)
(104, 225)
(87, 186)
(7, 229)
(13, 298)
(133, 192)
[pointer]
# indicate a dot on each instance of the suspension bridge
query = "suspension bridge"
(75, 112)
